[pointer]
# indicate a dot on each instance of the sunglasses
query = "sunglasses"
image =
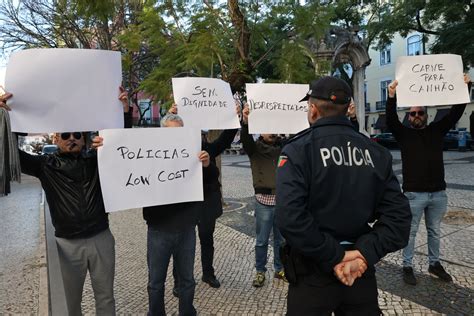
(66, 136)
(420, 113)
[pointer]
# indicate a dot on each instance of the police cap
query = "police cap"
(331, 89)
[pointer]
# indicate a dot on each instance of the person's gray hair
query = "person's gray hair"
(171, 118)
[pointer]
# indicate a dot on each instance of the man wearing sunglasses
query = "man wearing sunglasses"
(70, 180)
(421, 147)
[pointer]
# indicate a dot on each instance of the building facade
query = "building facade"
(381, 72)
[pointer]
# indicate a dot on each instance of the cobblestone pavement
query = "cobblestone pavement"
(234, 259)
(19, 248)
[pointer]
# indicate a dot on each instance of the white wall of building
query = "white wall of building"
(381, 69)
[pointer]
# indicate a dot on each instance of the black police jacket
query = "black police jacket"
(72, 189)
(335, 185)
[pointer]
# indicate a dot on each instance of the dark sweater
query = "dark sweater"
(212, 206)
(178, 217)
(422, 149)
(263, 161)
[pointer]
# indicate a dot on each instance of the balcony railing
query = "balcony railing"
(380, 105)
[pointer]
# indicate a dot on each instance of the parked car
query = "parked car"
(385, 139)
(49, 149)
(451, 140)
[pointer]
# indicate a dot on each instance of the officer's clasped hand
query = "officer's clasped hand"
(352, 266)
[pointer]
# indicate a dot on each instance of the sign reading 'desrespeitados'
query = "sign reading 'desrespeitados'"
(429, 80)
(150, 166)
(275, 108)
(205, 103)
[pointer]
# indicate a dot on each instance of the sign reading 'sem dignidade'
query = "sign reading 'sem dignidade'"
(205, 103)
(275, 108)
(430, 80)
(150, 166)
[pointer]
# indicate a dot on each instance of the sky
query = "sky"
(2, 75)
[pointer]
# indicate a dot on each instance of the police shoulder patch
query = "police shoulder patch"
(282, 160)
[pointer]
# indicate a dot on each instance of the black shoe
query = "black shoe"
(211, 280)
(175, 292)
(438, 271)
(409, 276)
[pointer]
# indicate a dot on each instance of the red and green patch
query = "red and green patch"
(282, 160)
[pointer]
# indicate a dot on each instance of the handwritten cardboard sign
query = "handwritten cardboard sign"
(64, 90)
(430, 80)
(275, 108)
(205, 103)
(150, 166)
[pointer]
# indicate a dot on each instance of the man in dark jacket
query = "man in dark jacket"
(339, 207)
(421, 147)
(70, 180)
(263, 155)
(171, 232)
(211, 208)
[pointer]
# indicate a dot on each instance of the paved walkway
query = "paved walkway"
(235, 238)
(19, 248)
(235, 268)
(234, 263)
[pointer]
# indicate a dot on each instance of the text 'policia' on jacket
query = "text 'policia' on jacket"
(333, 183)
(72, 188)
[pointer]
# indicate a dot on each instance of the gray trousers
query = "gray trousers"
(96, 254)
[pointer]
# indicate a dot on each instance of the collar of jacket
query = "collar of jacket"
(332, 120)
(80, 154)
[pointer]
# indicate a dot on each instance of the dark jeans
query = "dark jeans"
(206, 237)
(322, 295)
(206, 229)
(161, 246)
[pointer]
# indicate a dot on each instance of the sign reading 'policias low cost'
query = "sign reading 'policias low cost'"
(150, 166)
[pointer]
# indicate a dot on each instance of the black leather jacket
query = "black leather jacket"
(72, 187)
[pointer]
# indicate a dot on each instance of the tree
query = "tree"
(449, 23)
(83, 24)
(229, 41)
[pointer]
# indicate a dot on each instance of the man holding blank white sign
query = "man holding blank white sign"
(423, 176)
(70, 180)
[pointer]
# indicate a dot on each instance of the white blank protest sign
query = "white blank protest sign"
(150, 166)
(205, 103)
(64, 90)
(429, 80)
(275, 108)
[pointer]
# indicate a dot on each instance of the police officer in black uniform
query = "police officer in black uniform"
(339, 207)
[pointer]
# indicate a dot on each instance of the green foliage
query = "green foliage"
(450, 24)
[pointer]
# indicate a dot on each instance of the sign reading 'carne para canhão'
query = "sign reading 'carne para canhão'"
(429, 80)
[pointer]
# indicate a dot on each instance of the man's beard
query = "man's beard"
(418, 123)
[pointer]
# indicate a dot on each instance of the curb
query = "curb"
(43, 297)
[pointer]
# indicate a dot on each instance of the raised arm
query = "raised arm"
(223, 142)
(247, 140)
(455, 113)
(393, 122)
